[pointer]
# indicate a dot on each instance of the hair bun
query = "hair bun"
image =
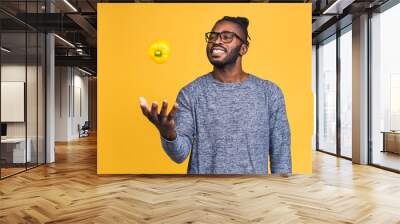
(243, 20)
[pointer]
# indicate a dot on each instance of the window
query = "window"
(346, 92)
(385, 88)
(327, 95)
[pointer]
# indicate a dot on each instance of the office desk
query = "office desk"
(13, 150)
(391, 141)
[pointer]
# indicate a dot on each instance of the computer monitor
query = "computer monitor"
(3, 129)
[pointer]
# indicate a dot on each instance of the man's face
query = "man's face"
(221, 54)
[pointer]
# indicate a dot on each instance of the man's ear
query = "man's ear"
(243, 49)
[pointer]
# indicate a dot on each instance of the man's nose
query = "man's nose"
(219, 40)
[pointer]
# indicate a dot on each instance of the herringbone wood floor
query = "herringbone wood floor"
(70, 191)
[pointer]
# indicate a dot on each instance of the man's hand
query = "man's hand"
(164, 123)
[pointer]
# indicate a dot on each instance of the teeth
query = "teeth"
(217, 51)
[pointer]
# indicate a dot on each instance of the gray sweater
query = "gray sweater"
(231, 128)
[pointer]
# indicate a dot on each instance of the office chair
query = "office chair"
(84, 130)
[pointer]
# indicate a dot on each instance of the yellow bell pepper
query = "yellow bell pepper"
(159, 51)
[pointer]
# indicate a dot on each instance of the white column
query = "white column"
(50, 92)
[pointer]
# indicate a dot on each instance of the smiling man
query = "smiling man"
(231, 121)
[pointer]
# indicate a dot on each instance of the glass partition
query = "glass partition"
(14, 153)
(41, 107)
(22, 88)
(32, 95)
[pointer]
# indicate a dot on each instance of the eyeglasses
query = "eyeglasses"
(226, 37)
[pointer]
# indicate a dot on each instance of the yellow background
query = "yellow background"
(280, 51)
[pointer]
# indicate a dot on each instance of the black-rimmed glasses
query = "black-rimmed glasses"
(226, 37)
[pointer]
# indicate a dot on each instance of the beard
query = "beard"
(228, 60)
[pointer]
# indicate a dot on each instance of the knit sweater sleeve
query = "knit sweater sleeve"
(178, 149)
(280, 137)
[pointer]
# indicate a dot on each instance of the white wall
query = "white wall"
(61, 103)
(81, 84)
(13, 73)
(71, 93)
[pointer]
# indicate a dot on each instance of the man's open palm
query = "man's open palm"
(164, 122)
